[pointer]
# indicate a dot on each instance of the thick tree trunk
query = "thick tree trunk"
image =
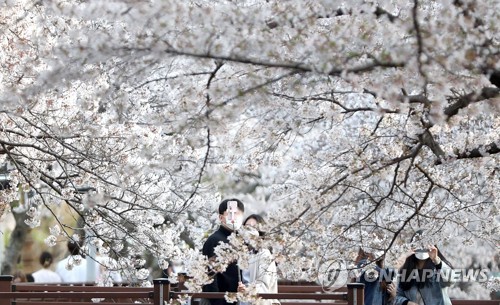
(16, 243)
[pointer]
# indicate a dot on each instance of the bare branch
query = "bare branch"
(478, 152)
(298, 67)
(427, 139)
(473, 97)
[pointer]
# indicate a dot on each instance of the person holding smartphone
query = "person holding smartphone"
(379, 288)
(231, 218)
(423, 276)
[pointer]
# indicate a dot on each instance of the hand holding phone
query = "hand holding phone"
(232, 208)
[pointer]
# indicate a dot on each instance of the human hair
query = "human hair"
(408, 279)
(19, 276)
(362, 254)
(260, 221)
(46, 259)
(223, 205)
(73, 247)
(365, 255)
(30, 278)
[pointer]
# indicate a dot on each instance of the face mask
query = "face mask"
(238, 222)
(422, 254)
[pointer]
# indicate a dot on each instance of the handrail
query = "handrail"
(28, 293)
(53, 288)
(75, 295)
(280, 296)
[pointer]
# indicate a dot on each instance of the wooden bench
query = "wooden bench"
(291, 287)
(288, 294)
(54, 294)
(475, 302)
(30, 294)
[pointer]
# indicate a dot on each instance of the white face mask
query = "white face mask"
(238, 222)
(422, 254)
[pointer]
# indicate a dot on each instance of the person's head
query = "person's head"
(169, 271)
(46, 259)
(19, 277)
(363, 255)
(231, 213)
(419, 260)
(251, 236)
(73, 247)
(408, 275)
(419, 247)
(254, 220)
(370, 256)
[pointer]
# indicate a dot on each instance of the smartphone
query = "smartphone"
(232, 207)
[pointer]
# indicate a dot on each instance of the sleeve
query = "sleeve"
(400, 298)
(57, 278)
(209, 247)
(115, 273)
(447, 275)
(361, 277)
(208, 251)
(266, 273)
(59, 271)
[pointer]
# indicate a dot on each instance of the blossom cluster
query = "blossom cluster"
(348, 123)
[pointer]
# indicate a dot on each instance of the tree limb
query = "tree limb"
(478, 152)
(465, 100)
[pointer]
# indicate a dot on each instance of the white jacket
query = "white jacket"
(263, 273)
(46, 276)
(70, 271)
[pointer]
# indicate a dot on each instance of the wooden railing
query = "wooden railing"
(53, 294)
(291, 287)
(353, 294)
(288, 294)
(475, 302)
(30, 294)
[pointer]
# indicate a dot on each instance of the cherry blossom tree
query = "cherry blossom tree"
(353, 122)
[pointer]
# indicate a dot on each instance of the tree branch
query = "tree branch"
(478, 152)
(296, 66)
(427, 139)
(465, 100)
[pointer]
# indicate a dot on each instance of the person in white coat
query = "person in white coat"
(73, 269)
(45, 275)
(252, 221)
(262, 270)
(107, 270)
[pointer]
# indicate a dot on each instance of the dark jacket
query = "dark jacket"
(228, 280)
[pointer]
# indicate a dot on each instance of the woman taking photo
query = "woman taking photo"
(422, 278)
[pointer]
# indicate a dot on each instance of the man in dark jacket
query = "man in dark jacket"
(231, 218)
